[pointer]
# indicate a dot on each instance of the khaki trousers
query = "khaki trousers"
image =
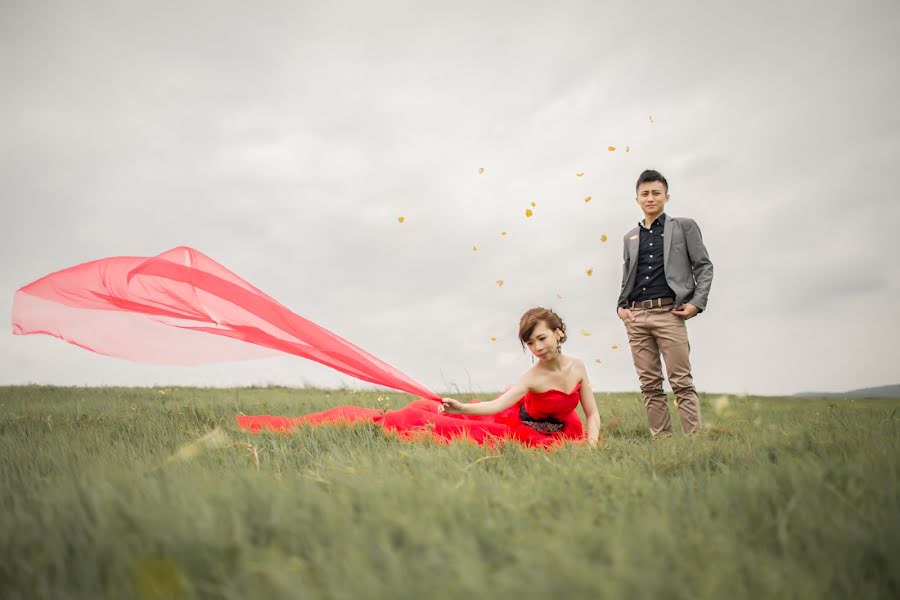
(655, 331)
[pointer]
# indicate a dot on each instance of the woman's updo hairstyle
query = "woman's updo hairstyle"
(533, 316)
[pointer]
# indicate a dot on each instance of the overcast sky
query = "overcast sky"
(284, 140)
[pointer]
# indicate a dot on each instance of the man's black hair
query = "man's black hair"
(651, 175)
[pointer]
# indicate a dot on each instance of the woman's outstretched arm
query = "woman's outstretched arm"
(515, 393)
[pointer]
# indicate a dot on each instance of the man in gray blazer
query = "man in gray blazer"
(665, 281)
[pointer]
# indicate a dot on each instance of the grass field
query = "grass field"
(125, 492)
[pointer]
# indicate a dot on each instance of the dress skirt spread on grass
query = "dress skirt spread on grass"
(543, 419)
(182, 308)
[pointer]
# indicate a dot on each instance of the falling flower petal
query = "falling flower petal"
(585, 332)
(481, 170)
(493, 339)
(502, 233)
(401, 219)
(615, 346)
(720, 404)
(589, 272)
(559, 296)
(579, 174)
(598, 361)
(612, 148)
(651, 119)
(603, 238)
(160, 578)
(587, 199)
(474, 248)
(528, 212)
(534, 203)
(627, 148)
(217, 438)
(499, 283)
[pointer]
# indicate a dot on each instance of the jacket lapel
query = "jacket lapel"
(633, 245)
(667, 240)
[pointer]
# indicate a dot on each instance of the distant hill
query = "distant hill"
(882, 391)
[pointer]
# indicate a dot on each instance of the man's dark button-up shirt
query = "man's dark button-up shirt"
(650, 281)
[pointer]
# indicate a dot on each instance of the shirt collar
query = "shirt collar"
(661, 219)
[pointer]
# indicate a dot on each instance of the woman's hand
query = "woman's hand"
(449, 405)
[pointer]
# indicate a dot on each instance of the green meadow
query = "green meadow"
(155, 493)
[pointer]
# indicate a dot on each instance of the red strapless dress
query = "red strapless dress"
(541, 419)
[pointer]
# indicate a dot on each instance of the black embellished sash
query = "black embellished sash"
(548, 425)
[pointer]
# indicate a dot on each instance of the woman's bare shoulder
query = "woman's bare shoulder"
(575, 363)
(530, 378)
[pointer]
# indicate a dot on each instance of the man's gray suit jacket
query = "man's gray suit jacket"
(689, 272)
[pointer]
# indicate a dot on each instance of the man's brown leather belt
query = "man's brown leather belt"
(655, 303)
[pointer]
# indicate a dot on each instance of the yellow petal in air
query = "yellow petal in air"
(481, 170)
(587, 199)
(559, 296)
(585, 332)
(493, 339)
(579, 174)
(499, 283)
(474, 248)
(615, 346)
(589, 272)
(160, 578)
(401, 219)
(534, 204)
(528, 212)
(603, 238)
(612, 148)
(502, 233)
(720, 404)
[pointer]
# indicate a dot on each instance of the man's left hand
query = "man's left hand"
(686, 311)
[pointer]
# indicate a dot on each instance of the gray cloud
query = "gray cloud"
(285, 141)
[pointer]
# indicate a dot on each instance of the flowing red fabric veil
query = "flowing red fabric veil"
(181, 307)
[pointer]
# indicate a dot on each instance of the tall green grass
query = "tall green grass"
(786, 498)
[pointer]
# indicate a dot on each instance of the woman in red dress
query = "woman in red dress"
(182, 307)
(537, 410)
